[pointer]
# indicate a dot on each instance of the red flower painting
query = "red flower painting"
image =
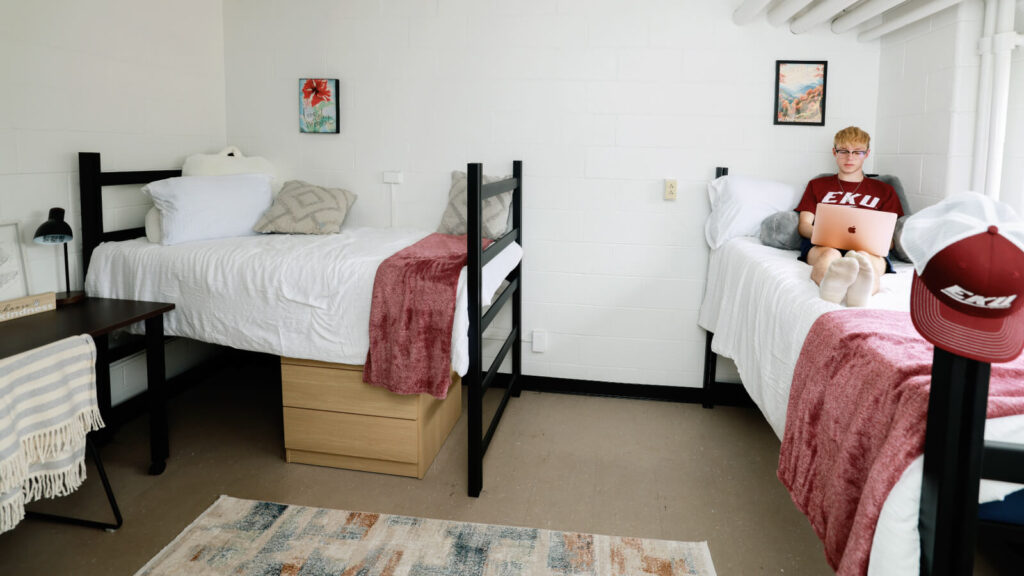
(318, 105)
(316, 91)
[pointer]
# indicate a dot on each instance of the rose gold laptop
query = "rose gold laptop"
(849, 228)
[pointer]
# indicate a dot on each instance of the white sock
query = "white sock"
(861, 288)
(840, 274)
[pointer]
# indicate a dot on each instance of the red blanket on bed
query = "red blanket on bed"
(856, 420)
(411, 317)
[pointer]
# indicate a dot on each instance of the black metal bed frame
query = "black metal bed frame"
(478, 381)
(92, 180)
(956, 457)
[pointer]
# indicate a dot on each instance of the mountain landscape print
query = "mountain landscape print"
(800, 92)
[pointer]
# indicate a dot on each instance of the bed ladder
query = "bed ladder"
(477, 381)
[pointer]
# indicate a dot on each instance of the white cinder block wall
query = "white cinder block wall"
(141, 83)
(927, 104)
(602, 100)
(1013, 166)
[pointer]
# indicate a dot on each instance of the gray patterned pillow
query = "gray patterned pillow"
(495, 209)
(302, 208)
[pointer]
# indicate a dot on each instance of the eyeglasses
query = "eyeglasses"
(857, 153)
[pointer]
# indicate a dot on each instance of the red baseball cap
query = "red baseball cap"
(967, 295)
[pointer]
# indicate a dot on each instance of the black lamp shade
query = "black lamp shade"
(55, 230)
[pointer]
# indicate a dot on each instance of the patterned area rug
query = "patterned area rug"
(249, 538)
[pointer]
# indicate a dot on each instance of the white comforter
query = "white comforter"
(760, 303)
(304, 296)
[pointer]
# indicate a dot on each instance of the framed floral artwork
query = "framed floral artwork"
(800, 92)
(318, 105)
(13, 282)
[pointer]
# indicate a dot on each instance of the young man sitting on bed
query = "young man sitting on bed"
(853, 274)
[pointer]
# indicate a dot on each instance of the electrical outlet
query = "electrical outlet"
(671, 189)
(394, 177)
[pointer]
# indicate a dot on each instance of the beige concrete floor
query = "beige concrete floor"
(603, 465)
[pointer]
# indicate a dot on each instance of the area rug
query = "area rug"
(249, 538)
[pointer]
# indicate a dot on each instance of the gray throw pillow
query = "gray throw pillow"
(897, 236)
(302, 208)
(496, 213)
(780, 230)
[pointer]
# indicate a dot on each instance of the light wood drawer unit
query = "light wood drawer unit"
(332, 418)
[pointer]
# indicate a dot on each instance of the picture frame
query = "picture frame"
(318, 106)
(800, 92)
(13, 279)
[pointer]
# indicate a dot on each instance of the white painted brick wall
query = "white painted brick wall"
(927, 98)
(602, 100)
(143, 87)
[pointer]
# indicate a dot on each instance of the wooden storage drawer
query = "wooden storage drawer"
(333, 418)
(350, 434)
(341, 391)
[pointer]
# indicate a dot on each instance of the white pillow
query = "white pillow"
(230, 160)
(205, 207)
(739, 204)
(154, 233)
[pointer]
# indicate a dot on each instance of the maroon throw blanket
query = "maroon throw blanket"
(856, 420)
(411, 317)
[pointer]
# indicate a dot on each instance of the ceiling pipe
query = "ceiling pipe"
(984, 111)
(1003, 44)
(782, 12)
(748, 10)
(862, 14)
(819, 14)
(919, 13)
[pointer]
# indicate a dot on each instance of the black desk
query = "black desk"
(98, 317)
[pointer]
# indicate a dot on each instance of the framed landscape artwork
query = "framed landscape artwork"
(800, 92)
(318, 105)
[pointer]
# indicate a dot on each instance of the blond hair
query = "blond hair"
(852, 136)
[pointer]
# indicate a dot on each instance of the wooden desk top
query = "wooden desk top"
(93, 316)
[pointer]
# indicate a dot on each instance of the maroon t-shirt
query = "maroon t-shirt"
(868, 193)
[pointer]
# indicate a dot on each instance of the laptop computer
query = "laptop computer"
(849, 228)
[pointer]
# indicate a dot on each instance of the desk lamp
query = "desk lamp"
(56, 231)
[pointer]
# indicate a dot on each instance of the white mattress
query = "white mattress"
(304, 296)
(760, 304)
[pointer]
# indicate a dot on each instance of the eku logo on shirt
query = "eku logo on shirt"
(866, 200)
(977, 300)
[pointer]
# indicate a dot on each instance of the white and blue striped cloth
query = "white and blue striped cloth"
(47, 406)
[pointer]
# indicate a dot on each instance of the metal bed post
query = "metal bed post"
(710, 358)
(517, 274)
(954, 443)
(474, 215)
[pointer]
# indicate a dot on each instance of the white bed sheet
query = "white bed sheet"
(304, 296)
(760, 304)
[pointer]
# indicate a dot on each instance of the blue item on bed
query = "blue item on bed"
(1009, 510)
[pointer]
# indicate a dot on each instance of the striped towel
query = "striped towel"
(47, 406)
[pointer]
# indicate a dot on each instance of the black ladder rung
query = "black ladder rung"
(498, 245)
(496, 306)
(487, 380)
(495, 188)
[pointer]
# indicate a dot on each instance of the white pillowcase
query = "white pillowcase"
(154, 233)
(205, 207)
(739, 204)
(230, 160)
